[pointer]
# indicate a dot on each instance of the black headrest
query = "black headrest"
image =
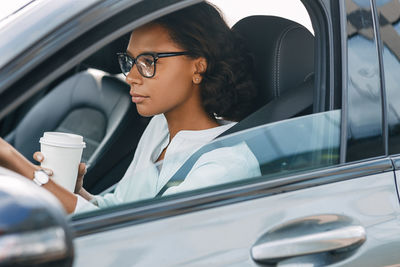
(283, 53)
(105, 59)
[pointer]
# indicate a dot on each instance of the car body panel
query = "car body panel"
(224, 235)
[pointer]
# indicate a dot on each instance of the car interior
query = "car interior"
(92, 100)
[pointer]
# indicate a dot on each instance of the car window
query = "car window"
(266, 151)
(364, 91)
(284, 146)
(389, 15)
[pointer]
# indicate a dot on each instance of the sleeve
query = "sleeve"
(117, 197)
(83, 205)
(122, 192)
(222, 165)
(108, 200)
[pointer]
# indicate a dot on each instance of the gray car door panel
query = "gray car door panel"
(225, 235)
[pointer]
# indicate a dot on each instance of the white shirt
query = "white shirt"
(144, 178)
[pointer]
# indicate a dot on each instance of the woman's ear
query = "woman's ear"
(200, 66)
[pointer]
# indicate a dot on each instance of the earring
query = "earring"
(197, 80)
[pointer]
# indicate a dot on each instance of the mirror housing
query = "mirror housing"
(33, 225)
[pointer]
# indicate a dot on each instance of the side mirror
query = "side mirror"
(33, 226)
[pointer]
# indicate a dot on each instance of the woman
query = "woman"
(185, 69)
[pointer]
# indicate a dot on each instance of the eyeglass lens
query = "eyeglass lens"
(144, 63)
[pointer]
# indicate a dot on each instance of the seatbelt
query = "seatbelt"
(286, 106)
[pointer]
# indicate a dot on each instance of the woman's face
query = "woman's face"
(172, 85)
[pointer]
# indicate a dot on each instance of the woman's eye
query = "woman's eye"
(147, 61)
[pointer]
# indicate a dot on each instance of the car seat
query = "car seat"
(93, 103)
(283, 53)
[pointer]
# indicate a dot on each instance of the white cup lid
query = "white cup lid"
(62, 140)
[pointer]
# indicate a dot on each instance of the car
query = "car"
(324, 131)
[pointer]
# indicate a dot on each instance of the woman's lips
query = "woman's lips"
(136, 98)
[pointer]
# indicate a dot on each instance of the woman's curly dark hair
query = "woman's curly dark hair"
(227, 87)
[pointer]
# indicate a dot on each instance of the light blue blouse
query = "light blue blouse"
(144, 178)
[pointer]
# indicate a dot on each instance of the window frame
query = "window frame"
(345, 121)
(381, 47)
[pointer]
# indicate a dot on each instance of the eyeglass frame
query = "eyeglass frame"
(155, 56)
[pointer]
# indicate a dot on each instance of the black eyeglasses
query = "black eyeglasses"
(145, 63)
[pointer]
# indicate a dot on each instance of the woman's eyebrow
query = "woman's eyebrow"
(129, 54)
(141, 52)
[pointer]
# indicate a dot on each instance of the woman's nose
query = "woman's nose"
(134, 76)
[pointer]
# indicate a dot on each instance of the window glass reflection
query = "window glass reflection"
(380, 3)
(265, 151)
(389, 15)
(364, 92)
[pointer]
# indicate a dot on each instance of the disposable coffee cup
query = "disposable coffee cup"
(62, 154)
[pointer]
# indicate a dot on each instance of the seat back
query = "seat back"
(283, 53)
(89, 103)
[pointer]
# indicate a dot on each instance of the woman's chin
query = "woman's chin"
(145, 112)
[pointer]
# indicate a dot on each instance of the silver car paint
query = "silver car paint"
(224, 236)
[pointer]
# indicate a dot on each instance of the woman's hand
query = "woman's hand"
(79, 180)
(11, 159)
(38, 156)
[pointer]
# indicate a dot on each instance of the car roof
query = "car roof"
(10, 8)
(33, 21)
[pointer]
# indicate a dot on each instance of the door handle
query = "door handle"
(309, 235)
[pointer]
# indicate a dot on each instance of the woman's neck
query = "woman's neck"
(189, 121)
(189, 115)
(193, 121)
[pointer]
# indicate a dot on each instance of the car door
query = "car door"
(329, 198)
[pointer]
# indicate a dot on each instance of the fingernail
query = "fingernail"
(39, 157)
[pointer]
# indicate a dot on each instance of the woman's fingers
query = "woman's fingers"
(81, 170)
(38, 156)
(48, 171)
(79, 180)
